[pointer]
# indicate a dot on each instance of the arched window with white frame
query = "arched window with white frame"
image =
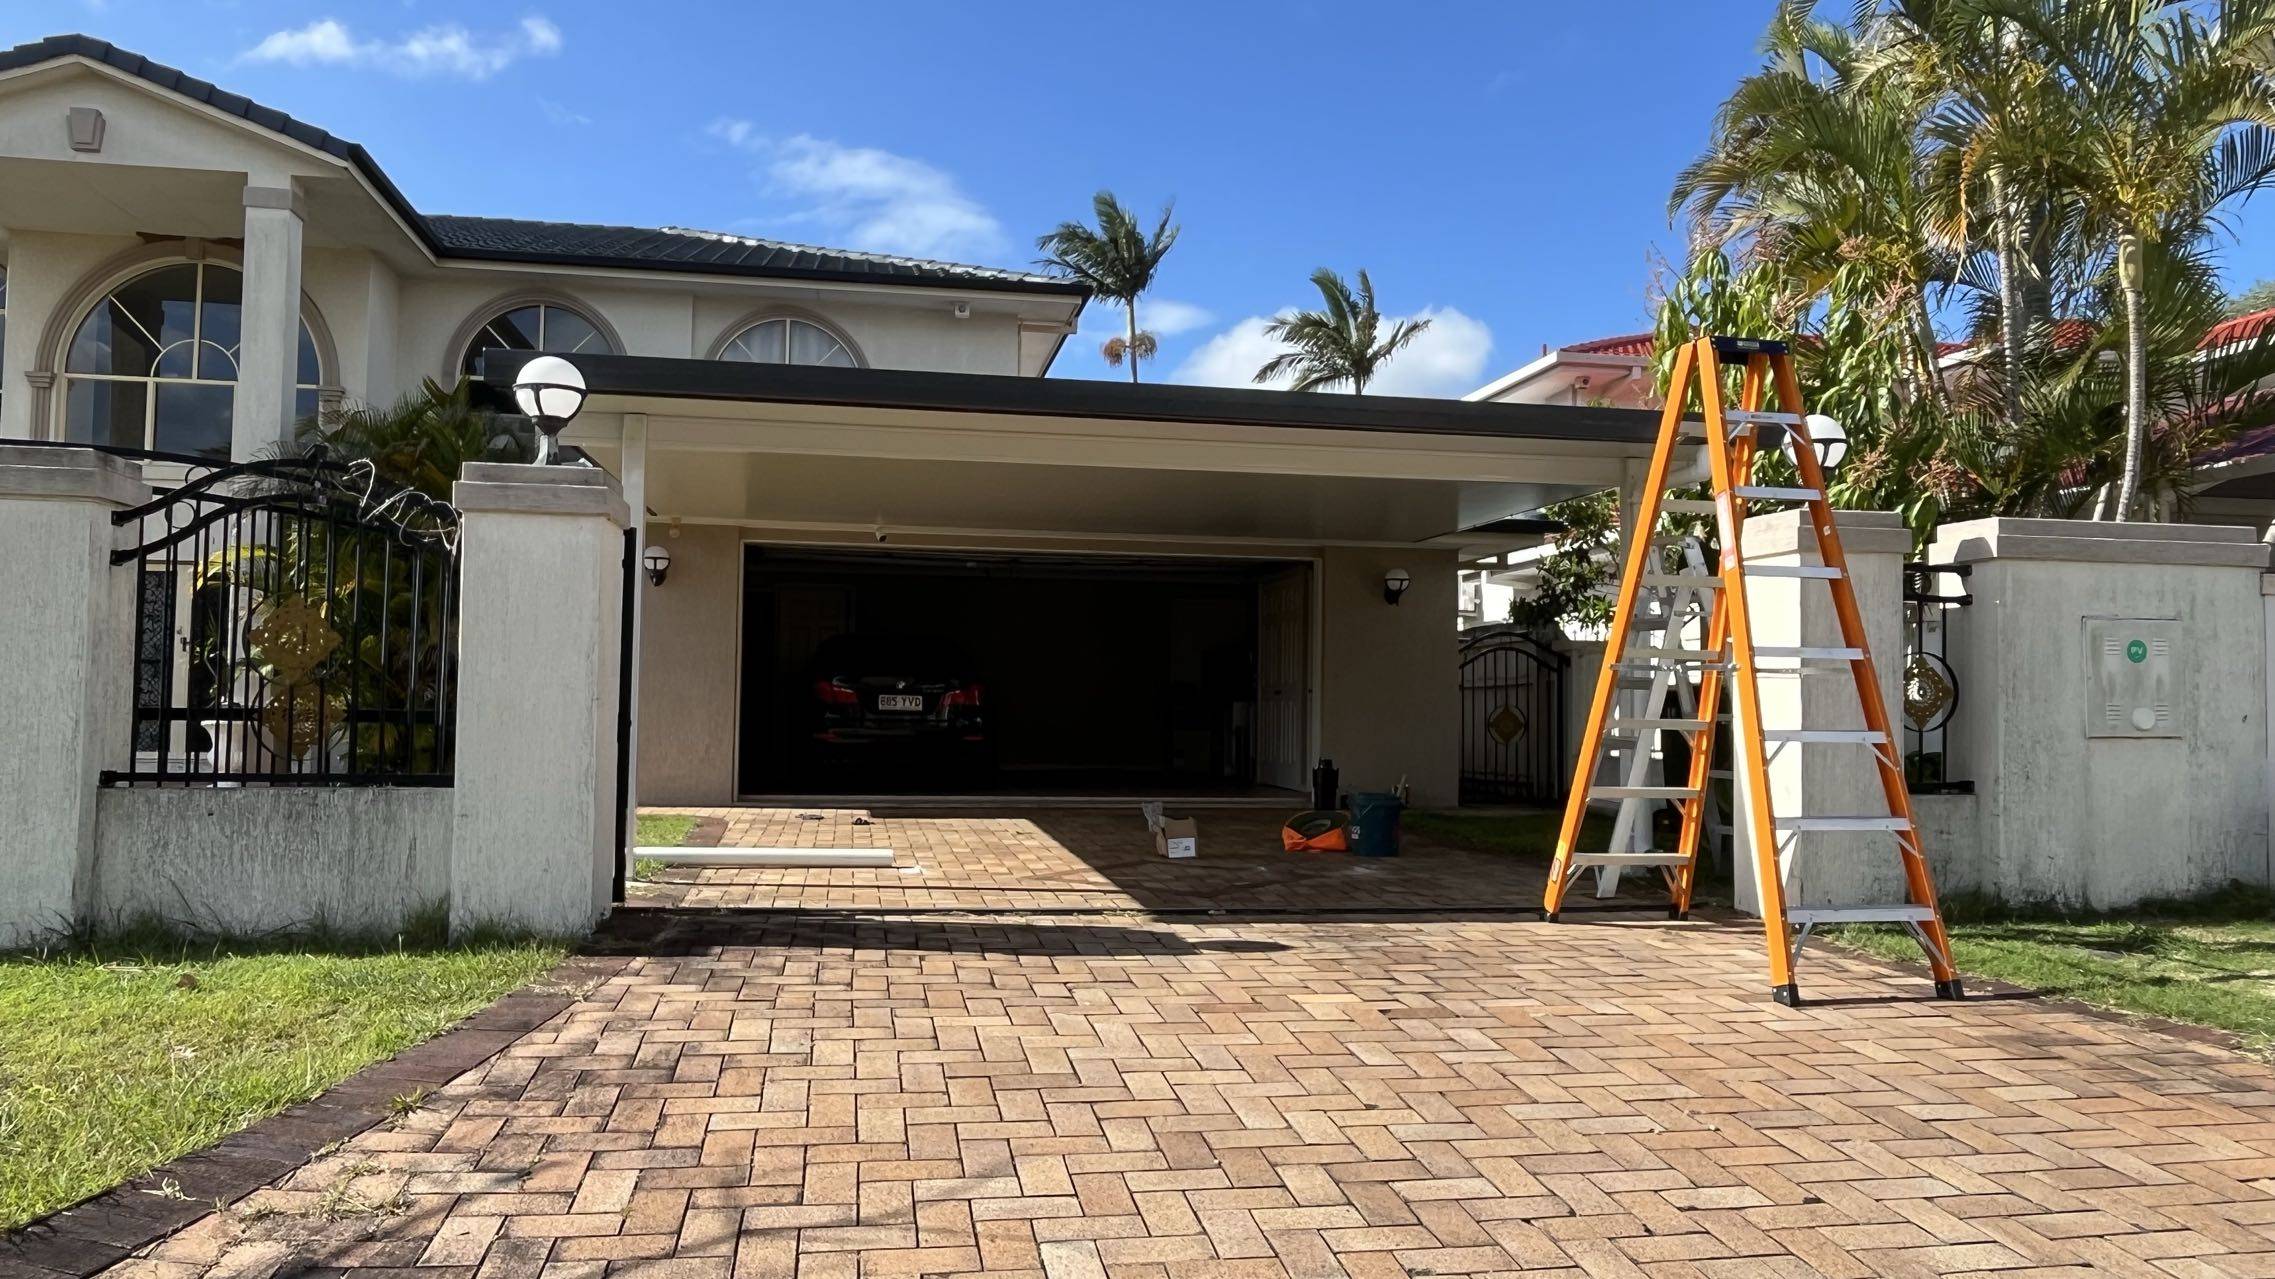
(549, 327)
(787, 339)
(153, 365)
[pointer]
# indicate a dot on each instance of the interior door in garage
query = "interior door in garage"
(1283, 678)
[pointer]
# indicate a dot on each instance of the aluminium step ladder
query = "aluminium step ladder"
(1673, 605)
(1730, 663)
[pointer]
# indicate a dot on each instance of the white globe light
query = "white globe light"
(1829, 437)
(549, 389)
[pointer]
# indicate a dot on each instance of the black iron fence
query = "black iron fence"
(295, 624)
(1931, 686)
(1512, 718)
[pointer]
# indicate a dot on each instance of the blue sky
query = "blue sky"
(1500, 166)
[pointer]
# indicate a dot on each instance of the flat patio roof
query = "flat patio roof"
(656, 377)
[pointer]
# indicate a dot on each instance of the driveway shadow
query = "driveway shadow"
(681, 932)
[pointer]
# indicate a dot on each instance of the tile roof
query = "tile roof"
(682, 249)
(552, 243)
(1625, 344)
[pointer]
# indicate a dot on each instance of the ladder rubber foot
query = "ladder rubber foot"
(1677, 913)
(1787, 994)
(1950, 989)
(1548, 916)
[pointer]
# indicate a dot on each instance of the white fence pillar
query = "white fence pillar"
(1826, 867)
(2112, 708)
(66, 683)
(541, 597)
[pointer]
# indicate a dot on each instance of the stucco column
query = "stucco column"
(540, 604)
(2112, 708)
(1831, 779)
(66, 686)
(268, 355)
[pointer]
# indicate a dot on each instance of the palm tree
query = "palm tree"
(420, 442)
(1343, 343)
(1118, 260)
(2167, 116)
(1814, 168)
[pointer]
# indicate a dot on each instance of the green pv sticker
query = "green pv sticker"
(2136, 651)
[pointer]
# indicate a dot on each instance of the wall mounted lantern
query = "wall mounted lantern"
(550, 391)
(657, 561)
(1394, 584)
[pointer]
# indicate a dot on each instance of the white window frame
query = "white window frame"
(153, 379)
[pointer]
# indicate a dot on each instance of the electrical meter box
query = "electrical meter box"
(2132, 667)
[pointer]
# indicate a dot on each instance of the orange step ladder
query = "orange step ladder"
(1729, 663)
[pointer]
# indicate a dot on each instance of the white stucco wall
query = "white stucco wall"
(66, 623)
(534, 841)
(2105, 822)
(362, 859)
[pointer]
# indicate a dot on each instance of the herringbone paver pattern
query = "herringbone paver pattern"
(846, 1097)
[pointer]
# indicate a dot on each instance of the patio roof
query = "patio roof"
(736, 381)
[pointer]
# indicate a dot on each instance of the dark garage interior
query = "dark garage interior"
(1097, 675)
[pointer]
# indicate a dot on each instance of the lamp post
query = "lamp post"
(550, 391)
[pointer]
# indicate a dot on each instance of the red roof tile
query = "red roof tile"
(1625, 344)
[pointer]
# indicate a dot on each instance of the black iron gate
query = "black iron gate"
(295, 624)
(1512, 718)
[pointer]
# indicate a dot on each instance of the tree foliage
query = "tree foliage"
(1344, 343)
(1118, 259)
(1987, 158)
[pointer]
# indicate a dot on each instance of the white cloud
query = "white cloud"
(1447, 360)
(866, 197)
(1162, 317)
(446, 49)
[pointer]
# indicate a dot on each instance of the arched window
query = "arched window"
(789, 341)
(154, 364)
(535, 326)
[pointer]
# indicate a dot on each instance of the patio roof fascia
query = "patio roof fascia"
(1617, 433)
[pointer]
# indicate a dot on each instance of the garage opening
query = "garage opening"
(892, 672)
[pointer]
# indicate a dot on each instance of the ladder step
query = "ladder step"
(1792, 570)
(1760, 417)
(1626, 859)
(1640, 724)
(1678, 654)
(1826, 736)
(1760, 493)
(1694, 581)
(1843, 823)
(1687, 506)
(1906, 914)
(1809, 653)
(1641, 792)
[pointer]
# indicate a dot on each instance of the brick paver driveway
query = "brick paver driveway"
(832, 1094)
(1078, 859)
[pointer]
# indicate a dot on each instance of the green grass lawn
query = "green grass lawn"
(658, 830)
(662, 830)
(1525, 834)
(2210, 961)
(115, 1058)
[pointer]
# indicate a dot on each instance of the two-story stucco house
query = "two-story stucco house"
(1160, 588)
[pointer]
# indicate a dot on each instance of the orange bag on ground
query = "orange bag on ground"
(1318, 831)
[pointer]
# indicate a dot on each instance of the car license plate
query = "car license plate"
(900, 702)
